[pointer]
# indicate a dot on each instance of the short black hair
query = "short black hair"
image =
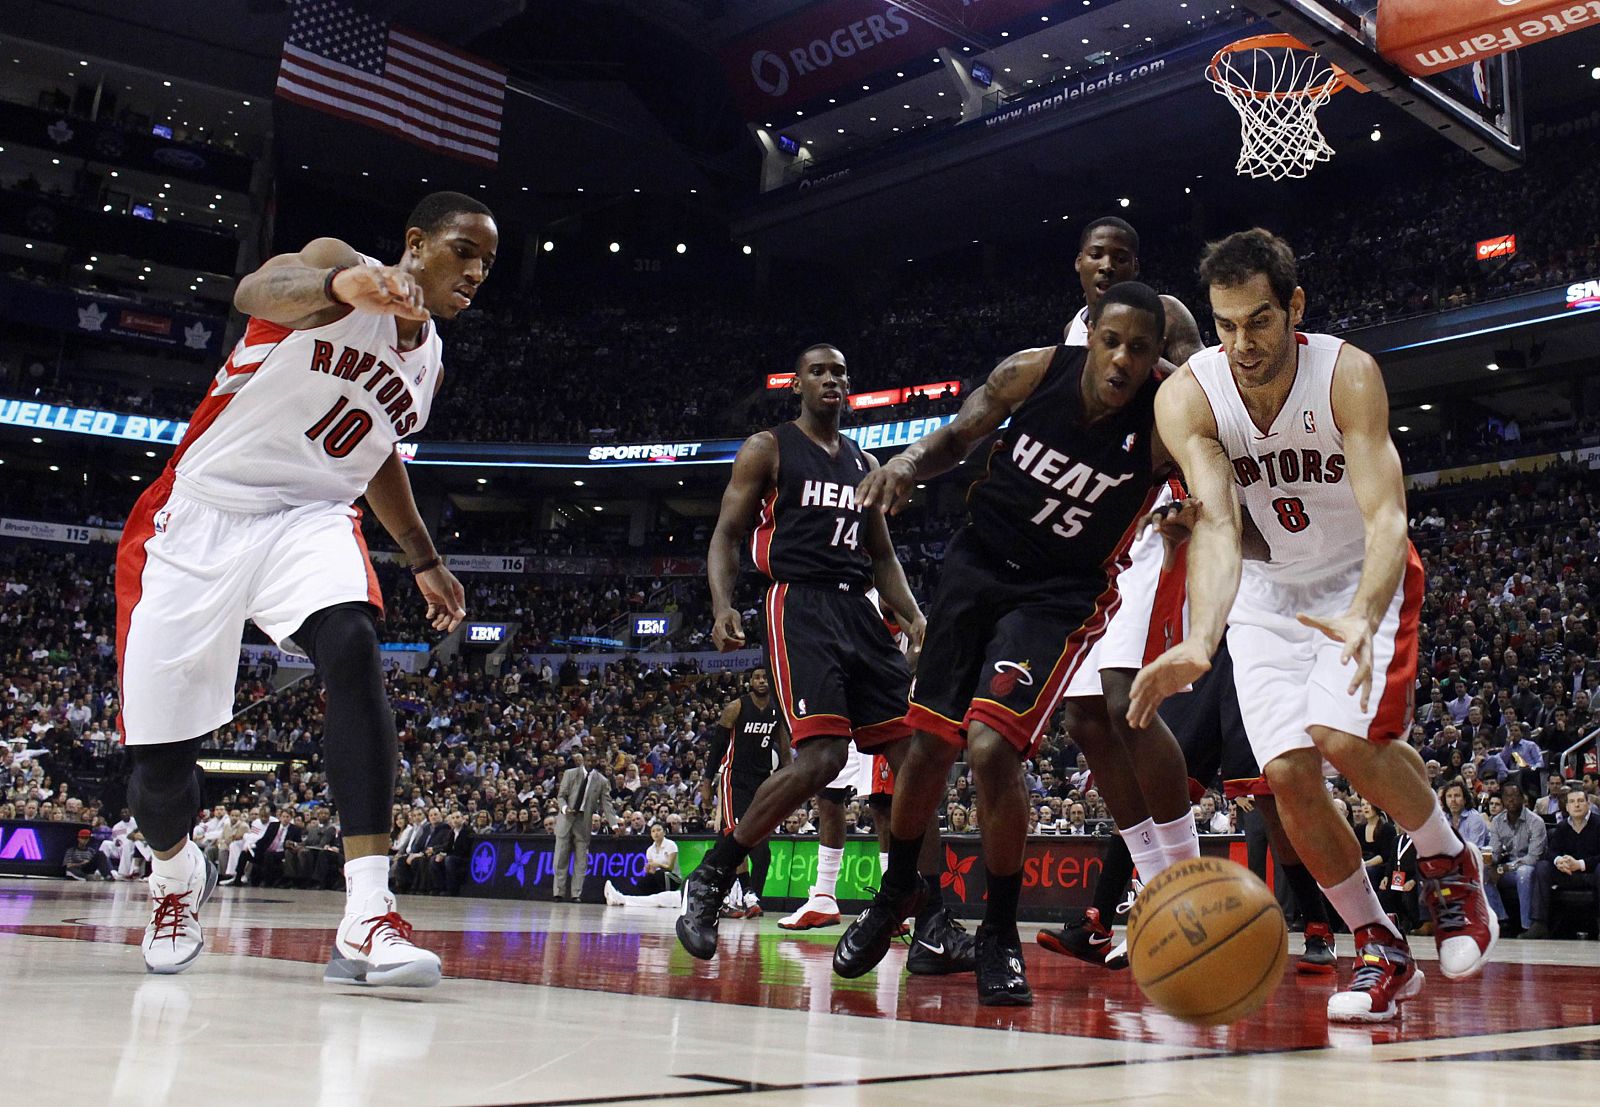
(1236, 259)
(438, 208)
(1121, 226)
(800, 358)
(1140, 297)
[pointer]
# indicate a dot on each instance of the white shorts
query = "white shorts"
(188, 577)
(1288, 676)
(866, 774)
(1152, 617)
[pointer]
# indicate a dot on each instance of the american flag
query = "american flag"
(362, 68)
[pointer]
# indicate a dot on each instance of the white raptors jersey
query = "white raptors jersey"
(298, 417)
(1291, 479)
(1078, 330)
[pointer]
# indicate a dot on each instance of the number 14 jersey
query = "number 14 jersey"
(1291, 476)
(810, 530)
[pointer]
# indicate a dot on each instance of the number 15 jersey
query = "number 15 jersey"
(297, 417)
(810, 530)
(1291, 477)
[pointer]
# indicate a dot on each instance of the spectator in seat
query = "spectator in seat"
(455, 856)
(272, 849)
(83, 862)
(1519, 845)
(1076, 822)
(1574, 854)
(404, 876)
(433, 845)
(1378, 845)
(658, 888)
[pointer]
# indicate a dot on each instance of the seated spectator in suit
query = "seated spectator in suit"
(454, 855)
(321, 858)
(1573, 857)
(272, 850)
(1519, 845)
(434, 845)
(403, 872)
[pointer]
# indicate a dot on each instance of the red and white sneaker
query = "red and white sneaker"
(819, 910)
(173, 937)
(1464, 927)
(1318, 958)
(1385, 975)
(373, 947)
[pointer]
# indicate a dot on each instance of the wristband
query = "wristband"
(327, 285)
(423, 566)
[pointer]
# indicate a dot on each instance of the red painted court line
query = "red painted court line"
(773, 970)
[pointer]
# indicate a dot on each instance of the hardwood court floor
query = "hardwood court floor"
(546, 1004)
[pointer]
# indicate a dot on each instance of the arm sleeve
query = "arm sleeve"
(720, 737)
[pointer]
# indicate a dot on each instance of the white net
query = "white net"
(1277, 91)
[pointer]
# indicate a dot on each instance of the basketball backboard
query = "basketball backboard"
(1478, 106)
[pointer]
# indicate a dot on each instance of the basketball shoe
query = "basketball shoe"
(173, 937)
(1002, 974)
(1319, 956)
(1089, 939)
(1464, 927)
(820, 909)
(865, 941)
(702, 905)
(1385, 975)
(940, 945)
(373, 946)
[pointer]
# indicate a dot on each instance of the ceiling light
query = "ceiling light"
(135, 477)
(55, 468)
(597, 507)
(27, 245)
(548, 245)
(1595, 73)
(1124, 201)
(88, 268)
(1402, 429)
(38, 441)
(1424, 407)
(578, 483)
(616, 247)
(682, 249)
(1493, 367)
(147, 269)
(483, 480)
(747, 250)
(1377, 134)
(166, 84)
(149, 453)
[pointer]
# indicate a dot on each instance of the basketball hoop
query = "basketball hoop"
(1277, 84)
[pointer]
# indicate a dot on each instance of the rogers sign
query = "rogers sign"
(829, 45)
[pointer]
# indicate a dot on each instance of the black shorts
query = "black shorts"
(734, 801)
(1210, 730)
(1002, 645)
(835, 666)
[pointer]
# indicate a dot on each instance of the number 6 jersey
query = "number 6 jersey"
(1291, 477)
(296, 417)
(810, 530)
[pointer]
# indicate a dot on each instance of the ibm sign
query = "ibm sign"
(654, 626)
(484, 634)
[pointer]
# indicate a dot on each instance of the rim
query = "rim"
(1339, 80)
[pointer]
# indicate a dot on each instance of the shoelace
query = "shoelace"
(391, 922)
(1369, 976)
(1449, 896)
(168, 919)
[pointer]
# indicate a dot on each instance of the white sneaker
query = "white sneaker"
(173, 938)
(820, 909)
(613, 897)
(373, 946)
(1117, 957)
(1135, 886)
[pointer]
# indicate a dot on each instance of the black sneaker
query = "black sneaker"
(940, 945)
(702, 904)
(1089, 939)
(1002, 980)
(863, 945)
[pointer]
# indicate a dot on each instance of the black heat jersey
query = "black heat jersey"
(811, 531)
(1060, 493)
(752, 752)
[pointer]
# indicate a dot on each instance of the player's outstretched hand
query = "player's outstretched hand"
(1175, 523)
(915, 633)
(1356, 634)
(887, 488)
(447, 600)
(727, 632)
(383, 289)
(1167, 675)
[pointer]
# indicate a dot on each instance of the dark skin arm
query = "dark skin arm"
(1013, 381)
(755, 472)
(729, 720)
(288, 288)
(1183, 335)
(389, 496)
(890, 577)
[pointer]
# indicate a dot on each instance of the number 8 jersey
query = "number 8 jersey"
(1291, 476)
(296, 417)
(810, 529)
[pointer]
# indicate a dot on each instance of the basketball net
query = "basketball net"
(1277, 84)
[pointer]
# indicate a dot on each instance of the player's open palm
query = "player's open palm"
(1167, 675)
(1356, 634)
(727, 632)
(383, 289)
(887, 488)
(447, 600)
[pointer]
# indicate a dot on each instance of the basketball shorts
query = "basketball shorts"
(188, 577)
(1288, 676)
(864, 775)
(837, 670)
(733, 801)
(1151, 617)
(1210, 730)
(1002, 645)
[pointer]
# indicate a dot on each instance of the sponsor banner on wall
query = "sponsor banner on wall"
(30, 848)
(707, 661)
(66, 309)
(85, 420)
(103, 142)
(57, 532)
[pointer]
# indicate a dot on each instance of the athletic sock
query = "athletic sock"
(1179, 841)
(1357, 903)
(181, 866)
(365, 877)
(1148, 856)
(883, 861)
(828, 861)
(727, 853)
(1001, 915)
(1434, 838)
(900, 873)
(1307, 896)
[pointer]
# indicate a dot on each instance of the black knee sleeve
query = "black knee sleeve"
(359, 746)
(164, 791)
(1116, 869)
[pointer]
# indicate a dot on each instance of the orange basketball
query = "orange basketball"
(1207, 941)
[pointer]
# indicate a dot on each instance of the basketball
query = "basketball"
(1207, 941)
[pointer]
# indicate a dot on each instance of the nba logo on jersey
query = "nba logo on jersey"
(800, 708)
(1310, 421)
(163, 517)
(1127, 443)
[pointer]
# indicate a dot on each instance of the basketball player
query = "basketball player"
(747, 746)
(838, 673)
(1303, 424)
(253, 519)
(1028, 584)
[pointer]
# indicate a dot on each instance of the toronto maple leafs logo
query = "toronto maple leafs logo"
(92, 317)
(1009, 674)
(483, 863)
(519, 864)
(60, 133)
(196, 337)
(955, 873)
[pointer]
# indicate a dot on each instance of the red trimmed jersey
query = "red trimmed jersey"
(810, 530)
(297, 417)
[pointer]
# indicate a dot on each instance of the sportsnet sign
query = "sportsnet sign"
(1584, 294)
